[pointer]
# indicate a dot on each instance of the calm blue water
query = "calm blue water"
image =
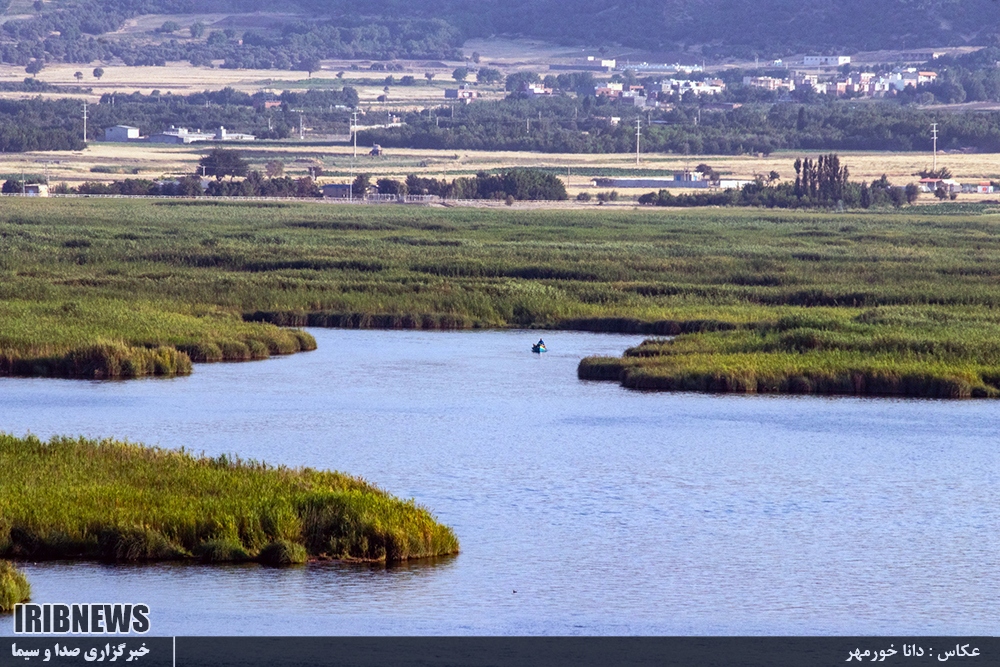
(608, 511)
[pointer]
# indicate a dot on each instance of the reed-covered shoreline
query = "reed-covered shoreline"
(928, 352)
(122, 502)
(131, 287)
(96, 338)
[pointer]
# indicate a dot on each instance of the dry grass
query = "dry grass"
(156, 160)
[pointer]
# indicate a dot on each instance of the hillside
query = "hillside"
(723, 27)
(67, 30)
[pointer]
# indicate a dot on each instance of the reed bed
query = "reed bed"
(14, 586)
(117, 502)
(105, 338)
(927, 352)
(213, 281)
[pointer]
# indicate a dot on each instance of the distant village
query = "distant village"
(666, 91)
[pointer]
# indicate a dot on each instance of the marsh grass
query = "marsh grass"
(891, 351)
(121, 502)
(149, 274)
(104, 338)
(14, 586)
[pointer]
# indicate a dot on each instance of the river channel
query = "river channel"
(581, 507)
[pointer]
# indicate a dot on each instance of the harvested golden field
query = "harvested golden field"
(576, 170)
(181, 78)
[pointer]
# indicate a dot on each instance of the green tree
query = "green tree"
(197, 29)
(489, 75)
(98, 73)
(309, 65)
(516, 80)
(388, 186)
(78, 76)
(169, 27)
(222, 162)
(34, 67)
(460, 74)
(274, 169)
(359, 188)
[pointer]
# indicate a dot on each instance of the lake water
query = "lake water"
(607, 511)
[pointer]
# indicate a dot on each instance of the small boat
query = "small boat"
(538, 348)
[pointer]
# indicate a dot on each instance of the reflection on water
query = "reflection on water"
(607, 511)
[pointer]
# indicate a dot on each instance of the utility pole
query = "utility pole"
(637, 122)
(302, 127)
(85, 123)
(354, 131)
(934, 134)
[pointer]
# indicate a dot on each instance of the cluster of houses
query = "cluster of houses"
(655, 95)
(857, 84)
(173, 135)
(951, 186)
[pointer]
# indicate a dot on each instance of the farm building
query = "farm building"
(687, 179)
(183, 135)
(826, 61)
(461, 93)
(337, 191)
(121, 133)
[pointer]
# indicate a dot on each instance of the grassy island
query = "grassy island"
(928, 352)
(116, 501)
(14, 587)
(865, 302)
(98, 338)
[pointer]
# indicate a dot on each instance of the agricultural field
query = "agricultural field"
(906, 301)
(577, 170)
(182, 78)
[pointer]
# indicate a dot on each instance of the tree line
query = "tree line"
(591, 125)
(821, 183)
(38, 124)
(71, 32)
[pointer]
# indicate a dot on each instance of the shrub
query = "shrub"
(282, 552)
(222, 551)
(14, 586)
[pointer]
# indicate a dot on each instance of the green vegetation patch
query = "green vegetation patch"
(121, 502)
(114, 338)
(14, 586)
(905, 302)
(909, 351)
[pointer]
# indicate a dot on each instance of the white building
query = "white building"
(826, 61)
(183, 135)
(121, 133)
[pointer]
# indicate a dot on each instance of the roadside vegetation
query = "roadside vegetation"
(915, 294)
(120, 502)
